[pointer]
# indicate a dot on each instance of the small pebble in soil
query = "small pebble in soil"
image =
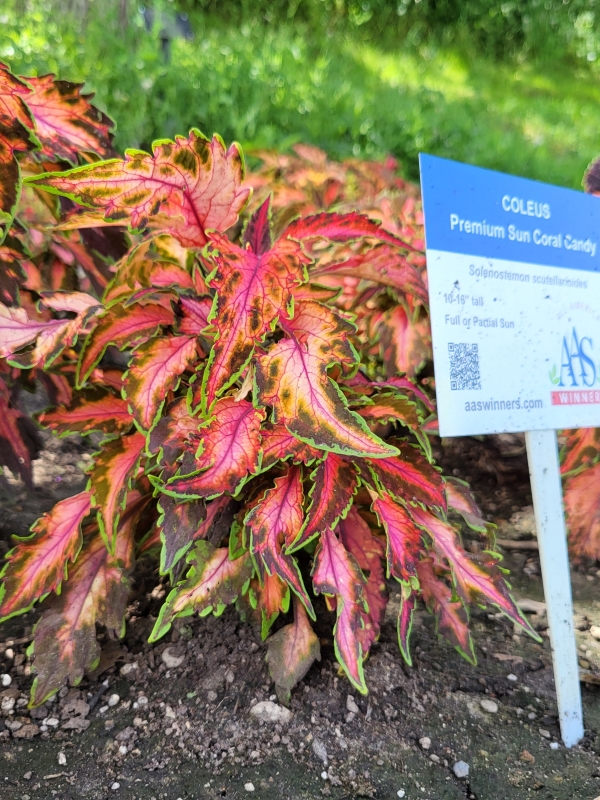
(6, 680)
(489, 705)
(9, 654)
(116, 785)
(461, 769)
(425, 742)
(401, 793)
(123, 750)
(554, 745)
(320, 751)
(512, 678)
(249, 787)
(171, 659)
(595, 630)
(546, 734)
(324, 775)
(267, 711)
(113, 700)
(351, 705)
(7, 704)
(62, 759)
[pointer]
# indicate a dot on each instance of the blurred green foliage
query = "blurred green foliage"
(512, 86)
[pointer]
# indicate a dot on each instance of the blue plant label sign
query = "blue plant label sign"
(514, 287)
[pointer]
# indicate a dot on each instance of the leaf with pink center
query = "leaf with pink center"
(293, 378)
(337, 574)
(334, 483)
(155, 370)
(195, 184)
(38, 563)
(409, 476)
(368, 550)
(96, 411)
(253, 291)
(476, 581)
(404, 540)
(230, 452)
(273, 523)
(115, 468)
(64, 639)
(451, 616)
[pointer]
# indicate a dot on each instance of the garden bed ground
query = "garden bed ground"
(187, 731)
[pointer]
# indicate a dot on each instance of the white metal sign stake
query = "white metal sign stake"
(542, 454)
(514, 288)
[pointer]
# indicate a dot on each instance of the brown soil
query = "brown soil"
(187, 731)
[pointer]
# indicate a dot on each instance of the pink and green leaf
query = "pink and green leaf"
(65, 644)
(212, 582)
(230, 443)
(38, 563)
(404, 540)
(272, 598)
(66, 123)
(476, 581)
(121, 327)
(451, 616)
(292, 378)
(257, 233)
(273, 524)
(178, 523)
(383, 265)
(17, 330)
(195, 184)
(253, 291)
(409, 477)
(337, 574)
(334, 483)
(462, 500)
(368, 550)
(96, 412)
(154, 371)
(341, 228)
(391, 407)
(115, 467)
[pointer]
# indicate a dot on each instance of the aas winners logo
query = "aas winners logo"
(577, 374)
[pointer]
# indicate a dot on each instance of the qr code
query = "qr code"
(464, 366)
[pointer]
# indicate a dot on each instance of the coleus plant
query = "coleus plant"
(384, 287)
(44, 123)
(250, 444)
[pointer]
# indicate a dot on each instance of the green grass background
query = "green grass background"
(344, 83)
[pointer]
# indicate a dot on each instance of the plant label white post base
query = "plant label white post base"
(542, 454)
